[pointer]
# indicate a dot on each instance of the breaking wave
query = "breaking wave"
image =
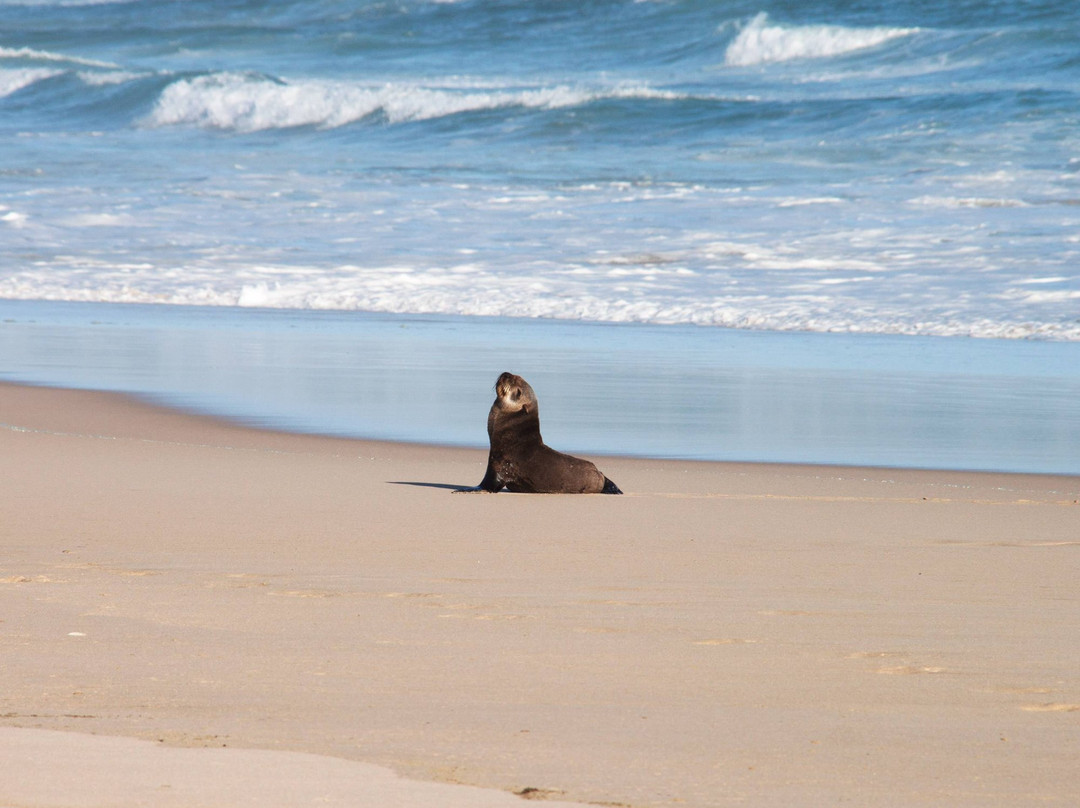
(11, 81)
(762, 42)
(250, 103)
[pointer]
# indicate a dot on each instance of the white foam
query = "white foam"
(813, 200)
(99, 220)
(13, 218)
(247, 103)
(49, 56)
(107, 79)
(1058, 296)
(957, 203)
(11, 81)
(816, 296)
(763, 43)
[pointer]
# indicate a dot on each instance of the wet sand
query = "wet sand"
(300, 609)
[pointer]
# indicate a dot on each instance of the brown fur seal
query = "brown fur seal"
(520, 461)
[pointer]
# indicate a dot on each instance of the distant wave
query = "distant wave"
(762, 42)
(23, 67)
(11, 81)
(251, 102)
(32, 54)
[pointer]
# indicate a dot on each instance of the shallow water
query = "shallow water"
(644, 390)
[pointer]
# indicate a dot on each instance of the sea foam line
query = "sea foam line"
(452, 291)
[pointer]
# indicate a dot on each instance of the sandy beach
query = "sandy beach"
(194, 612)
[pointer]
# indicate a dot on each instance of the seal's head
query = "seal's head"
(513, 394)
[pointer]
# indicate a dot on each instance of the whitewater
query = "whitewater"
(896, 169)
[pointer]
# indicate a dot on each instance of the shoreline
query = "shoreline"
(622, 390)
(724, 633)
(138, 422)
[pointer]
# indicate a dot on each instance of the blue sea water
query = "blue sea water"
(866, 168)
(827, 166)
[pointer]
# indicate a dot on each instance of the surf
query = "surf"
(251, 102)
(761, 42)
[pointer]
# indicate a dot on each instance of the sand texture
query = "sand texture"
(196, 613)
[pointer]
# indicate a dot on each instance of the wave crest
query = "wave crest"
(249, 103)
(33, 55)
(763, 43)
(11, 81)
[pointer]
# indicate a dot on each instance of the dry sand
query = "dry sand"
(195, 613)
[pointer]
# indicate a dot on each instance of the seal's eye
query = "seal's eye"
(516, 394)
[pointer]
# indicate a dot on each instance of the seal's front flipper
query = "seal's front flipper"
(610, 487)
(491, 484)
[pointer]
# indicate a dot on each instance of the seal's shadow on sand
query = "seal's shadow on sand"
(447, 486)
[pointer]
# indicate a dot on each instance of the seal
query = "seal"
(520, 461)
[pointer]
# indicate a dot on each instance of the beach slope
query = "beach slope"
(241, 611)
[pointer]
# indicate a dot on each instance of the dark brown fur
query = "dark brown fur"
(520, 461)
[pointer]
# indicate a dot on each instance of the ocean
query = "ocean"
(696, 190)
